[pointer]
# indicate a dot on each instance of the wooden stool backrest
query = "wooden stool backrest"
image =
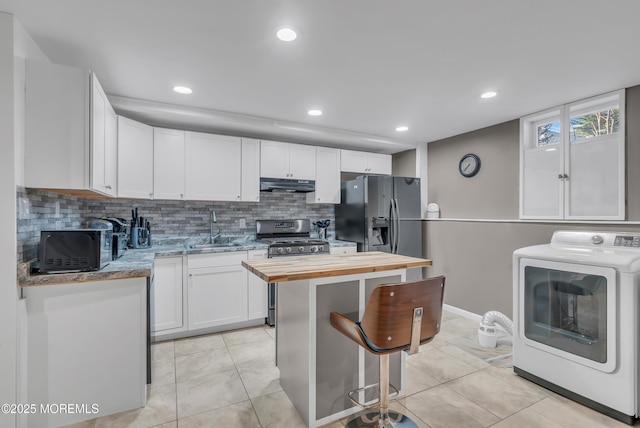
(388, 315)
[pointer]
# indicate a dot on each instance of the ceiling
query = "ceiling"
(370, 65)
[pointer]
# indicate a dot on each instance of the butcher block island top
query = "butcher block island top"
(310, 267)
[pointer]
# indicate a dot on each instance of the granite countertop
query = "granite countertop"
(137, 263)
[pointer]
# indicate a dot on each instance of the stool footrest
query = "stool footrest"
(351, 395)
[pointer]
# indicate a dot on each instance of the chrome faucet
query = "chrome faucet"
(212, 219)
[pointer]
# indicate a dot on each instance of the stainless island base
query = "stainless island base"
(318, 365)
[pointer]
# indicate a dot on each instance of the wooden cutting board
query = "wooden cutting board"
(310, 267)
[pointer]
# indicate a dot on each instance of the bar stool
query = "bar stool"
(398, 317)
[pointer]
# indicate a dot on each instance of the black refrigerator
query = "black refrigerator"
(381, 213)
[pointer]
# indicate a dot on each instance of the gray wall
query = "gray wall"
(493, 192)
(475, 255)
(404, 163)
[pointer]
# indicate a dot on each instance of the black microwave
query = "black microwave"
(74, 250)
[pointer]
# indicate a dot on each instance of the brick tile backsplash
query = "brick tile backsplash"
(37, 209)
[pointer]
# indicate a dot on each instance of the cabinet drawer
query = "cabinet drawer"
(233, 258)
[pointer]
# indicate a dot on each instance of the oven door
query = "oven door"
(569, 310)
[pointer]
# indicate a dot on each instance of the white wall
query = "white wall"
(8, 288)
(15, 46)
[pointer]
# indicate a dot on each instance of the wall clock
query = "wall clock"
(469, 165)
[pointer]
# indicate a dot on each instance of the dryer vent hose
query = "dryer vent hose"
(487, 336)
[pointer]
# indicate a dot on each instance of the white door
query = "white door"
(217, 296)
(274, 159)
(166, 294)
(99, 106)
(168, 164)
(250, 170)
(302, 162)
(379, 163)
(111, 152)
(213, 165)
(257, 289)
(135, 159)
(353, 161)
(327, 177)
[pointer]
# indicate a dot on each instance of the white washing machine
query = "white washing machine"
(575, 308)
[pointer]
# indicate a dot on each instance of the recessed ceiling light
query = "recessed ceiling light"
(315, 112)
(489, 94)
(182, 90)
(287, 34)
(402, 128)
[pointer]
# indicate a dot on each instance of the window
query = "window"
(572, 161)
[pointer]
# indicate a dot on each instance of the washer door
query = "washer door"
(569, 310)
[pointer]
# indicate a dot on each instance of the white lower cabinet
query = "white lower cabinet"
(257, 289)
(343, 250)
(217, 289)
(167, 296)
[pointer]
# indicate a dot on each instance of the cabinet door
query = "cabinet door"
(217, 296)
(111, 152)
(379, 164)
(542, 191)
(257, 289)
(274, 159)
(57, 116)
(327, 177)
(99, 104)
(352, 161)
(302, 162)
(168, 164)
(342, 250)
(166, 294)
(250, 170)
(213, 165)
(135, 159)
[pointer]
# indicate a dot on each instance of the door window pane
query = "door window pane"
(548, 134)
(601, 122)
(567, 311)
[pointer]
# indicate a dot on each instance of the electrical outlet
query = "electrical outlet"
(23, 207)
(243, 223)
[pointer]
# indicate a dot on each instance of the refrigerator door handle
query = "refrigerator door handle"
(391, 227)
(396, 228)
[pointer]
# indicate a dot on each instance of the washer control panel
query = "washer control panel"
(627, 241)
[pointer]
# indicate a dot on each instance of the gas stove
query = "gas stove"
(289, 238)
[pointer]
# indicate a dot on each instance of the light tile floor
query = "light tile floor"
(230, 380)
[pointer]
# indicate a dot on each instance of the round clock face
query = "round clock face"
(469, 165)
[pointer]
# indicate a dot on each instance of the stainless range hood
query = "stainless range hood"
(287, 185)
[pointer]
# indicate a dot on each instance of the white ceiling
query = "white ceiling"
(370, 65)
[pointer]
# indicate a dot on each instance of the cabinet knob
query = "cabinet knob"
(108, 186)
(560, 176)
(565, 176)
(190, 275)
(181, 196)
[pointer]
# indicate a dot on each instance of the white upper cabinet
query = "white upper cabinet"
(69, 131)
(365, 162)
(168, 163)
(135, 159)
(285, 160)
(213, 167)
(104, 141)
(327, 177)
(572, 161)
(250, 170)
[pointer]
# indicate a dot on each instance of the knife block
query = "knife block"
(140, 238)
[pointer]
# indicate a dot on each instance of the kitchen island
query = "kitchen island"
(318, 365)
